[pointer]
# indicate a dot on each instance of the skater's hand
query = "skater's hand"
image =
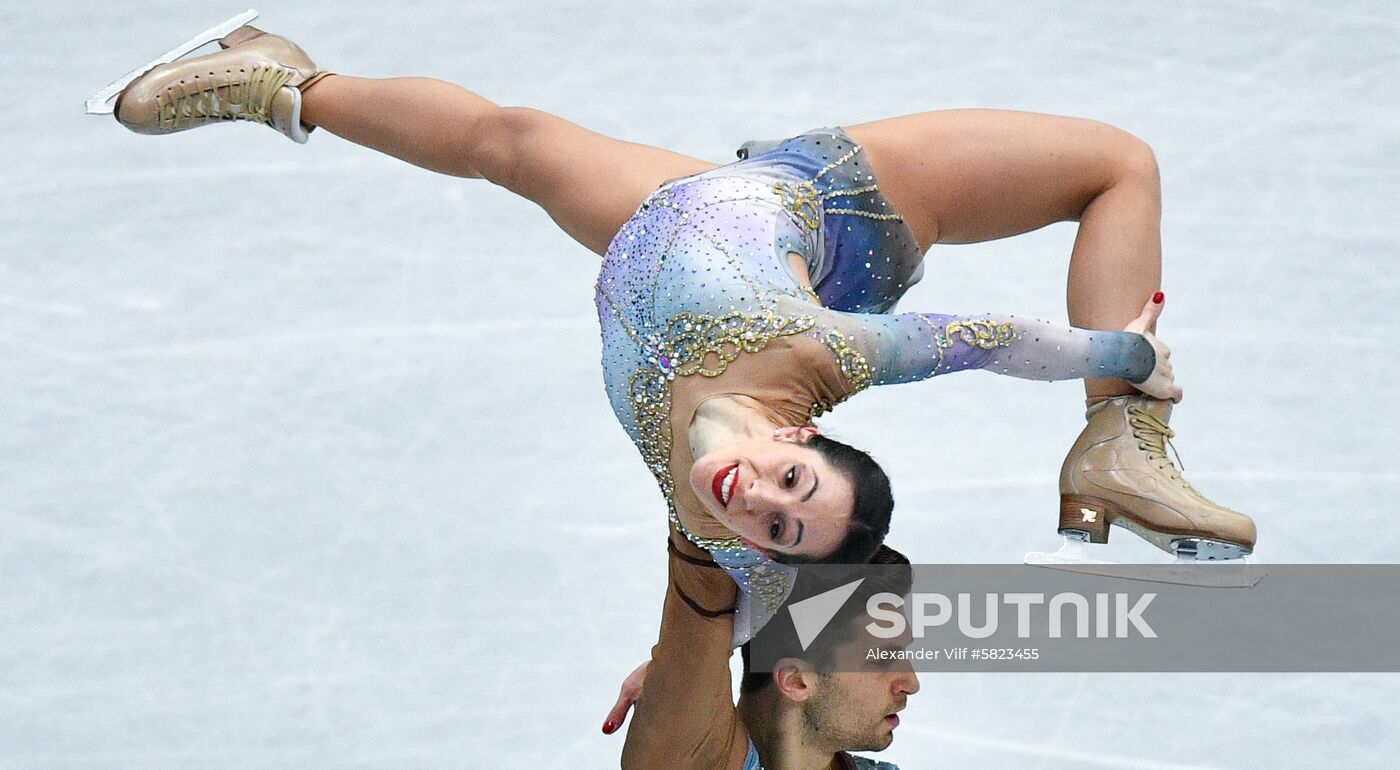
(628, 695)
(1159, 384)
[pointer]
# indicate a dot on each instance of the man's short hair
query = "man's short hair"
(888, 571)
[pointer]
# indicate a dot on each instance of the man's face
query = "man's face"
(854, 707)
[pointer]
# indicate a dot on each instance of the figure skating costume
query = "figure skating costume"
(695, 299)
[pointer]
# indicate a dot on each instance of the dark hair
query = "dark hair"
(887, 570)
(870, 514)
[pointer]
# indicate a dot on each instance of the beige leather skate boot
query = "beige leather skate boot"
(256, 77)
(1118, 473)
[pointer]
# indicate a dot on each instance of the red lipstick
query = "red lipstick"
(717, 486)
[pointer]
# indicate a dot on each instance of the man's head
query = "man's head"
(797, 496)
(846, 697)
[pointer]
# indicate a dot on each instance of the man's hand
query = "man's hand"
(629, 693)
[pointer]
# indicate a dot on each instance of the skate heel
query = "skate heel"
(1083, 520)
(1089, 515)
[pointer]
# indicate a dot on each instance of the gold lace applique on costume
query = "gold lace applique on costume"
(800, 200)
(986, 335)
(853, 365)
(979, 333)
(805, 202)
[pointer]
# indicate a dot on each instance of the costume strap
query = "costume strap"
(689, 601)
(694, 605)
(685, 557)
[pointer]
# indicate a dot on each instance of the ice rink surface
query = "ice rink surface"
(304, 455)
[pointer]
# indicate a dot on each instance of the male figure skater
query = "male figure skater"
(814, 707)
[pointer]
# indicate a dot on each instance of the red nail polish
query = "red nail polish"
(1158, 297)
(608, 728)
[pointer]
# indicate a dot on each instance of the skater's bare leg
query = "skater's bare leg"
(589, 184)
(429, 123)
(963, 176)
(974, 175)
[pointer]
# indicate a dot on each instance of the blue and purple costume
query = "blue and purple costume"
(699, 277)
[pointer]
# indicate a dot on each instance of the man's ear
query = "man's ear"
(794, 679)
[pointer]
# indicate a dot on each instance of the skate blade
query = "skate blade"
(1073, 556)
(102, 102)
(1073, 550)
(1203, 574)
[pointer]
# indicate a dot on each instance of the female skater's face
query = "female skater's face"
(776, 494)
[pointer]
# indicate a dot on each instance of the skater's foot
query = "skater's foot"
(256, 77)
(1118, 473)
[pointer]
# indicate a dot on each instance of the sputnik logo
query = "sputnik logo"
(811, 615)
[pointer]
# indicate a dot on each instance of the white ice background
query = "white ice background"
(304, 456)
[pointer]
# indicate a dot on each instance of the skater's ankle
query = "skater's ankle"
(1093, 401)
(309, 103)
(312, 81)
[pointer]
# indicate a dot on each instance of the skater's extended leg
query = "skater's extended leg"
(426, 122)
(588, 183)
(963, 176)
(973, 175)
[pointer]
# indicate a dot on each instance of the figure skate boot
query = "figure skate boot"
(256, 77)
(1118, 473)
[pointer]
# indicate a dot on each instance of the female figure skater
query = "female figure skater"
(739, 302)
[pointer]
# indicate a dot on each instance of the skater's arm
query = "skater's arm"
(685, 716)
(1017, 346)
(916, 346)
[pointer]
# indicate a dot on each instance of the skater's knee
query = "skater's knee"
(1134, 161)
(1122, 166)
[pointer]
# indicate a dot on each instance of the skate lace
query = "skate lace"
(242, 95)
(1154, 436)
